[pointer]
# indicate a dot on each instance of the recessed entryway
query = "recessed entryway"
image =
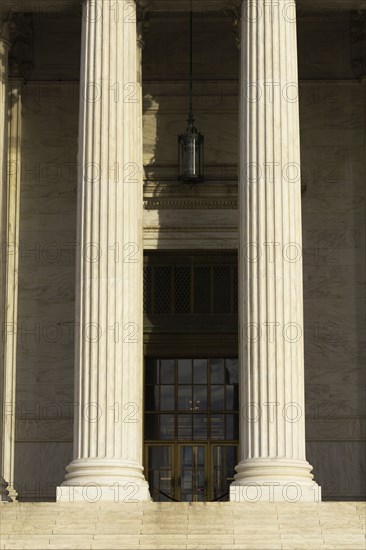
(191, 427)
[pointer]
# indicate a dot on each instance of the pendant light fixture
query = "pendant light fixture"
(190, 144)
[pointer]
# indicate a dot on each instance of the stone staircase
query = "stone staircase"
(188, 526)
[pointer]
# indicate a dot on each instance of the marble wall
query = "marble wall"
(334, 281)
(46, 284)
(333, 140)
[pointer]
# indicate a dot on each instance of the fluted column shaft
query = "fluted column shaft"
(272, 425)
(108, 437)
(4, 53)
(11, 279)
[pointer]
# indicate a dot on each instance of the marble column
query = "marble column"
(108, 437)
(11, 280)
(4, 54)
(272, 464)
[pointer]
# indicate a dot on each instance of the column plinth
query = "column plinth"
(108, 437)
(273, 465)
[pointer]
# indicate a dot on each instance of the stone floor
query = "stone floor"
(170, 526)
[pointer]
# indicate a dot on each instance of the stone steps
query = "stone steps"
(183, 526)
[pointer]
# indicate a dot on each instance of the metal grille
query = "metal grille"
(202, 289)
(147, 288)
(222, 290)
(182, 289)
(190, 290)
(162, 289)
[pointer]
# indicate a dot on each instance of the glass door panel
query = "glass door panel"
(223, 470)
(192, 473)
(160, 472)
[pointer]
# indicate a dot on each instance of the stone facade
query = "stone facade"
(332, 128)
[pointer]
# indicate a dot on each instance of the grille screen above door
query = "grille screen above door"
(190, 285)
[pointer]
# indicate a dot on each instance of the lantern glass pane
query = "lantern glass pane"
(190, 157)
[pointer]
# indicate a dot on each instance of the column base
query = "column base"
(271, 480)
(12, 493)
(4, 493)
(95, 480)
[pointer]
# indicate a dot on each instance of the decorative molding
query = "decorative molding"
(190, 204)
(174, 190)
(172, 196)
(190, 229)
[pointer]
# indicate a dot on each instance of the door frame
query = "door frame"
(167, 443)
(180, 351)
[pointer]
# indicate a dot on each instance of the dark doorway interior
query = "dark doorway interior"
(191, 373)
(191, 427)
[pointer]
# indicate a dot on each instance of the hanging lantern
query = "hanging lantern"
(190, 154)
(190, 144)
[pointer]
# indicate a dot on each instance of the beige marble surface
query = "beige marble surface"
(183, 526)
